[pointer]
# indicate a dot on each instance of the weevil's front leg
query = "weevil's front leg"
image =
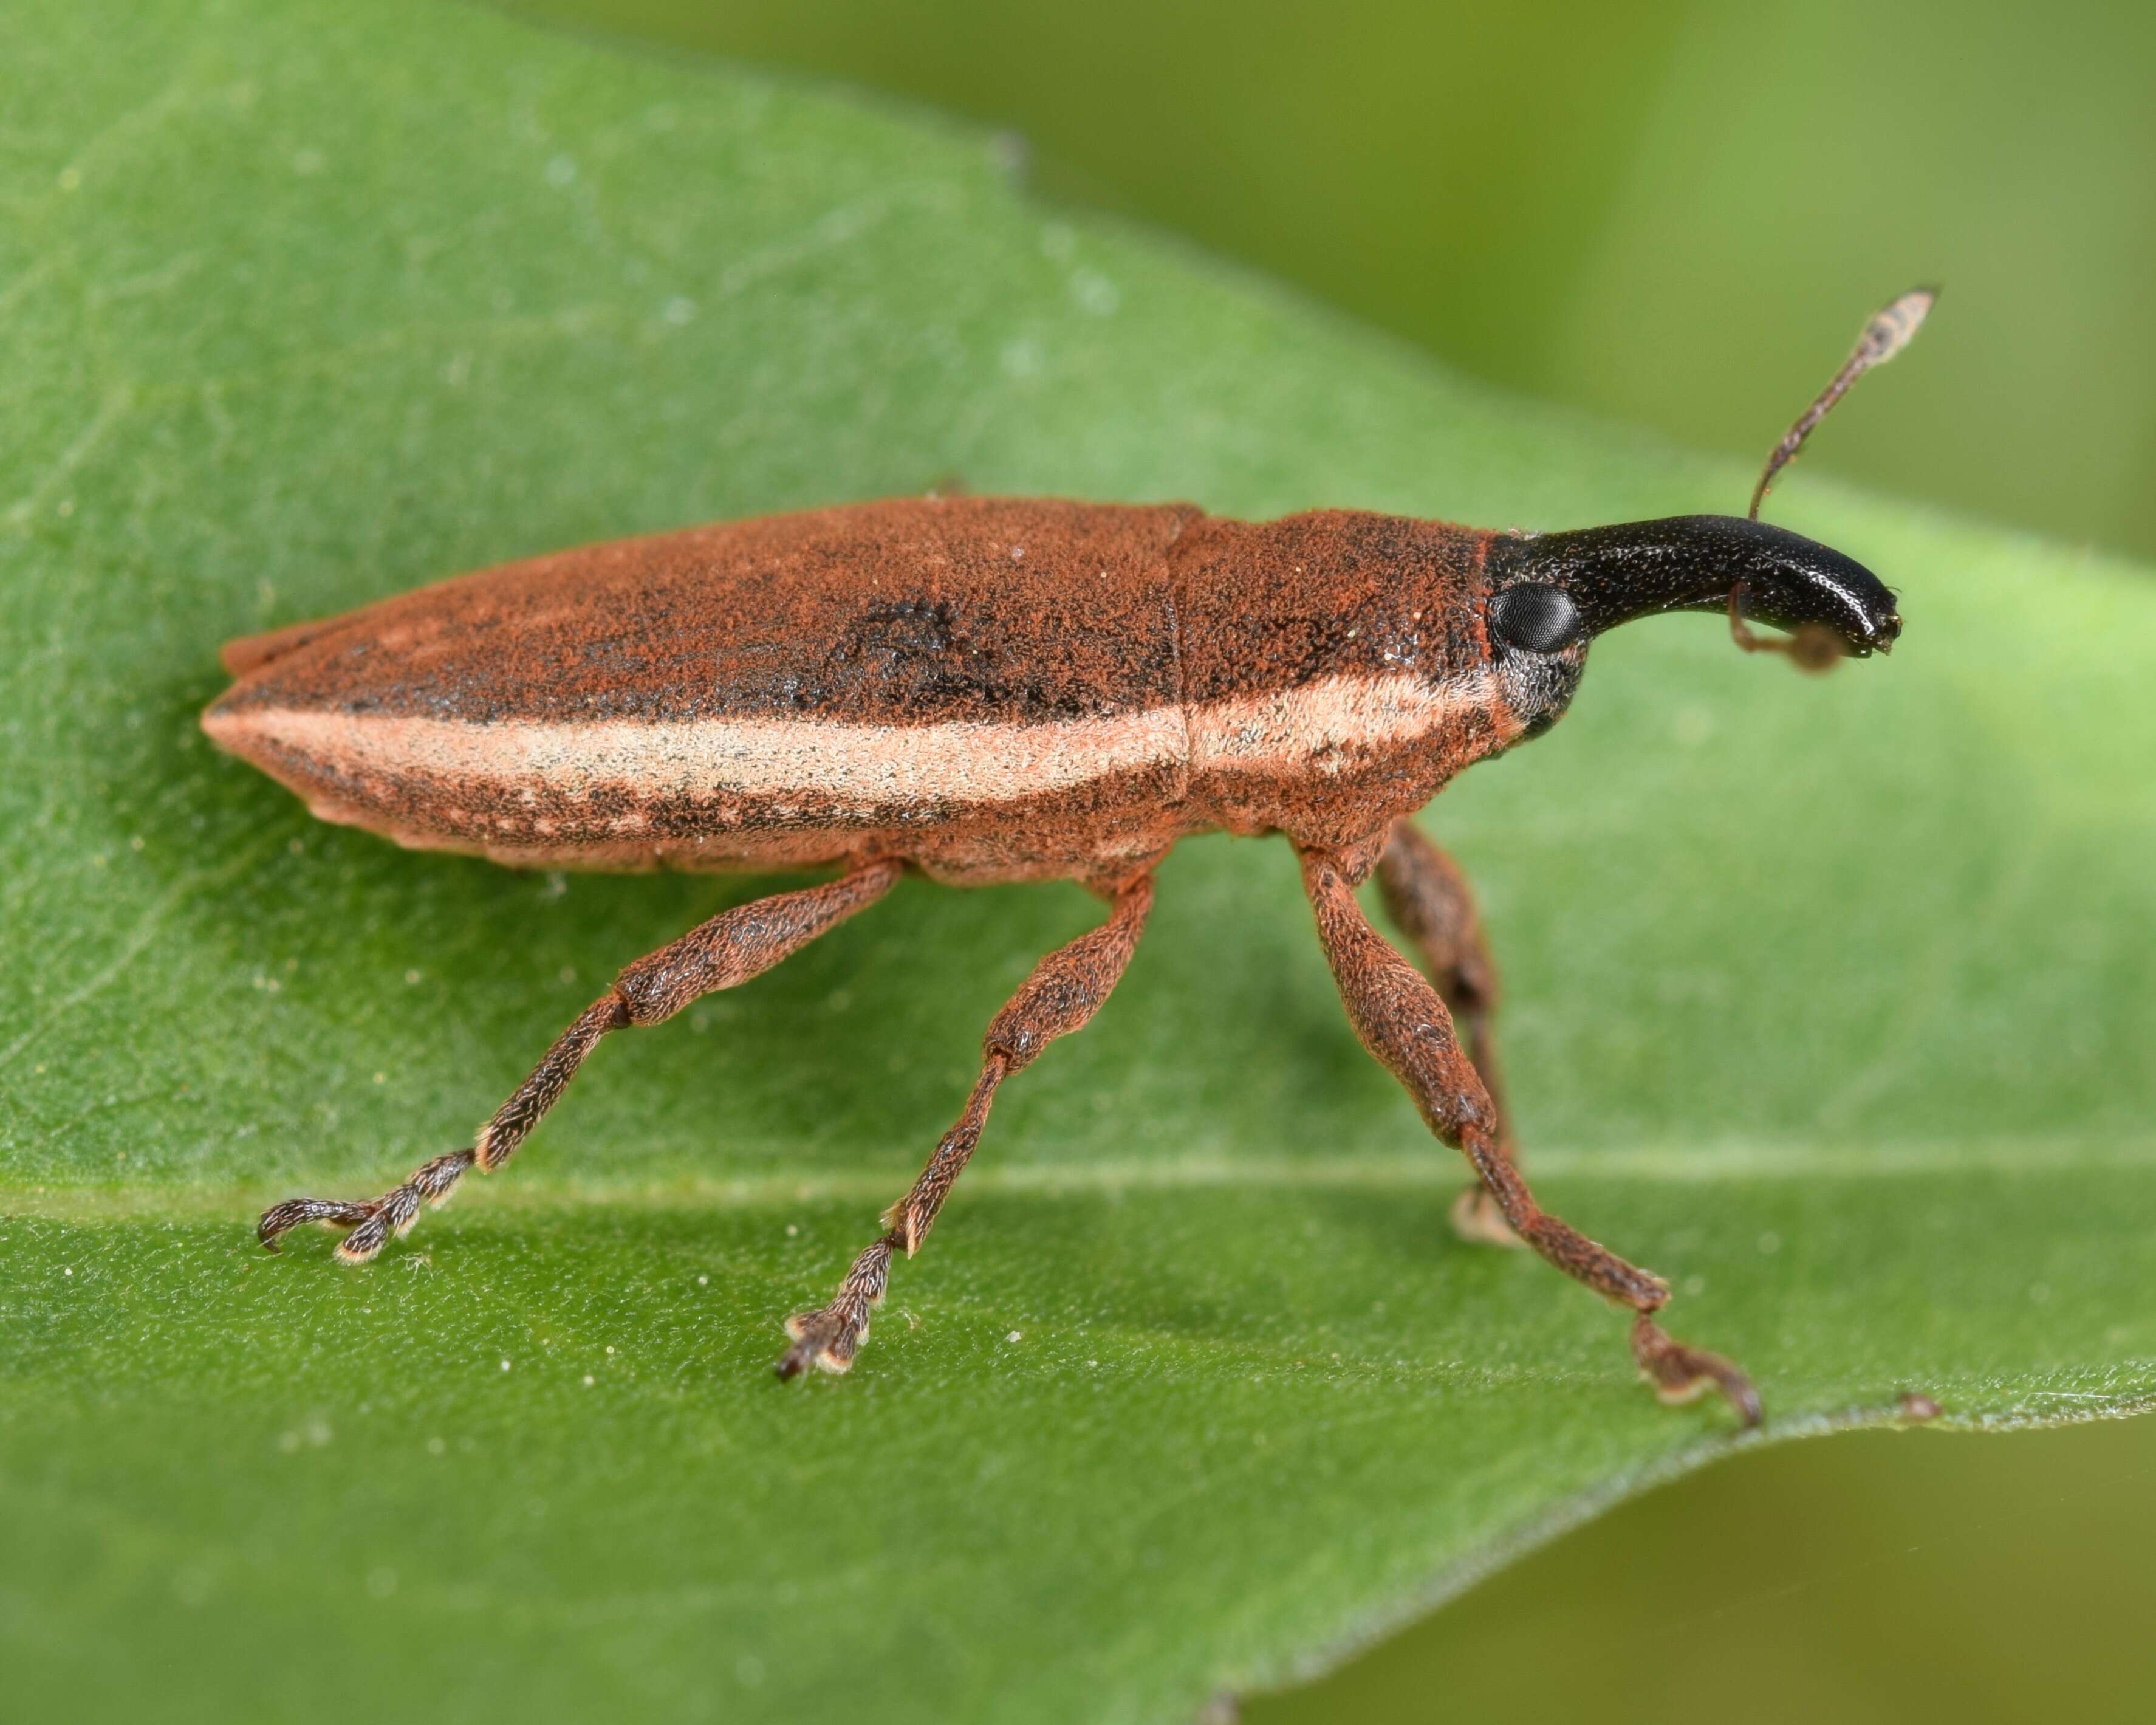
(1400, 1020)
(1427, 896)
(731, 948)
(1065, 989)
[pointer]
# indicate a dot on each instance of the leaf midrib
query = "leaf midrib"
(1434, 1170)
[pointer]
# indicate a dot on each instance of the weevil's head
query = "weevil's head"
(1548, 595)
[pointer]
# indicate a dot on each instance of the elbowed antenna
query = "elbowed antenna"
(1892, 329)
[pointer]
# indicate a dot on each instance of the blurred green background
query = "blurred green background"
(1676, 215)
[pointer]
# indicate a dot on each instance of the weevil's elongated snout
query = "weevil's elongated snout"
(1693, 562)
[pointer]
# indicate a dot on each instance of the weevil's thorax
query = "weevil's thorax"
(1335, 669)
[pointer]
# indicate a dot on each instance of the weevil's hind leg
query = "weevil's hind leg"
(1065, 989)
(731, 948)
(1426, 894)
(1401, 1020)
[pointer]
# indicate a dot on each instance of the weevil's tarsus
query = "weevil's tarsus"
(373, 1222)
(828, 1338)
(1400, 1018)
(1065, 989)
(731, 947)
(1427, 895)
(1681, 1374)
(1891, 330)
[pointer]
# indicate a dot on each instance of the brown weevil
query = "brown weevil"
(990, 690)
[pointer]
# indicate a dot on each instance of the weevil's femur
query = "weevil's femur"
(1698, 562)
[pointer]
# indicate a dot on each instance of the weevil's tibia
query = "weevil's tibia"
(1427, 895)
(1403, 1022)
(734, 946)
(1065, 989)
(514, 1120)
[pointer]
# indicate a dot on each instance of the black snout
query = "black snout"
(1555, 588)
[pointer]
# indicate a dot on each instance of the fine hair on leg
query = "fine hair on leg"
(1399, 1018)
(1426, 895)
(734, 946)
(1065, 989)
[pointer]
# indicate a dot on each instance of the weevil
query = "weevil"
(986, 691)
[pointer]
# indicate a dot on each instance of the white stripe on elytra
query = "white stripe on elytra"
(1321, 726)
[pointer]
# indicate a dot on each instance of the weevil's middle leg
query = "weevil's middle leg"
(1401, 1020)
(1064, 991)
(734, 946)
(1426, 895)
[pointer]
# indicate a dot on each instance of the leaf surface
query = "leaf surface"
(1828, 1000)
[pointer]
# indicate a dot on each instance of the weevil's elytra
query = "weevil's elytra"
(991, 690)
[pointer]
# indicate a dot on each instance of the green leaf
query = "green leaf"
(1829, 1000)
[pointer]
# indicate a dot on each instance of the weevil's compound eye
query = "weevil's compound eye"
(1535, 617)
